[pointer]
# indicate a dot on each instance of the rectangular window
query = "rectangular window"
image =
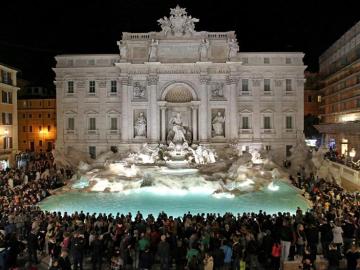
(6, 97)
(71, 124)
(267, 85)
(358, 102)
(24, 128)
(289, 122)
(268, 147)
(245, 60)
(6, 118)
(39, 115)
(92, 87)
(40, 128)
(24, 115)
(245, 85)
(288, 60)
(30, 128)
(288, 85)
(40, 143)
(113, 124)
(245, 122)
(267, 122)
(113, 87)
(92, 123)
(319, 99)
(92, 152)
(49, 115)
(266, 60)
(70, 88)
(309, 98)
(30, 115)
(8, 142)
(49, 128)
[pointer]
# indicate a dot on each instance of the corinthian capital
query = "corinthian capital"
(152, 79)
(232, 79)
(204, 79)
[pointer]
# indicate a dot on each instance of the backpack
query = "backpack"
(276, 250)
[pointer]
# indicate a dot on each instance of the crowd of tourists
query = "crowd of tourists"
(193, 241)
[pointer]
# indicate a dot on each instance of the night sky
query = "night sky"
(33, 32)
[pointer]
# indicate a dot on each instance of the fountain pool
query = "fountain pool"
(154, 200)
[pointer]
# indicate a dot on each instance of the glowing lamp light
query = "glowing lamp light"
(352, 153)
(6, 132)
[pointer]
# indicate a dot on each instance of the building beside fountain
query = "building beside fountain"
(179, 84)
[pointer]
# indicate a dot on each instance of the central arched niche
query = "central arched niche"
(179, 93)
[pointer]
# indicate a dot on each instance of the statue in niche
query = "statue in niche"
(140, 126)
(123, 50)
(178, 133)
(233, 48)
(218, 124)
(139, 90)
(153, 50)
(203, 49)
(218, 90)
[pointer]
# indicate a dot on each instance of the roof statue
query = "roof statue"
(179, 23)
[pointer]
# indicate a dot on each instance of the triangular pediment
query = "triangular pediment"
(267, 110)
(70, 112)
(112, 111)
(91, 112)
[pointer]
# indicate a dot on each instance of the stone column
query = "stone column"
(232, 81)
(154, 125)
(194, 123)
(124, 108)
(203, 117)
(163, 130)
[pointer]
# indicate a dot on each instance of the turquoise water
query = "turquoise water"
(147, 201)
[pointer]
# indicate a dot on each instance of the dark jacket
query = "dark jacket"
(146, 260)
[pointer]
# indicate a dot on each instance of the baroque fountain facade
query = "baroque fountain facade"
(192, 123)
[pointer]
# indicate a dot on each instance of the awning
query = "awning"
(345, 128)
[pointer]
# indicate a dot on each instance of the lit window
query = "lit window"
(266, 60)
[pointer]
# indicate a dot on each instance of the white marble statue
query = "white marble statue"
(123, 50)
(179, 23)
(165, 25)
(139, 90)
(203, 49)
(233, 48)
(178, 128)
(153, 50)
(140, 126)
(218, 124)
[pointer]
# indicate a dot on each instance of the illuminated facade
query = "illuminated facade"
(221, 94)
(37, 124)
(8, 111)
(340, 104)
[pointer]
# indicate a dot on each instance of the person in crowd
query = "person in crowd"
(353, 258)
(333, 257)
